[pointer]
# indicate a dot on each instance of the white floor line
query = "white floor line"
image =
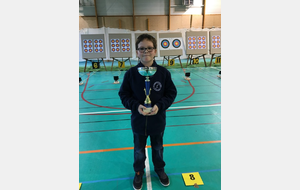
(120, 111)
(148, 176)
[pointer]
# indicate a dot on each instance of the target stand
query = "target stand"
(86, 60)
(215, 44)
(212, 57)
(123, 62)
(190, 58)
(196, 45)
(170, 45)
(93, 47)
(168, 59)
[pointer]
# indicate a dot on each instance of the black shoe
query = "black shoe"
(163, 178)
(138, 180)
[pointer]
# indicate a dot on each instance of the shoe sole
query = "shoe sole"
(135, 188)
(164, 184)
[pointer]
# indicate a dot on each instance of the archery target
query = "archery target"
(88, 46)
(201, 42)
(170, 43)
(115, 45)
(176, 43)
(216, 42)
(93, 46)
(192, 42)
(165, 43)
(197, 42)
(98, 46)
(125, 45)
(120, 45)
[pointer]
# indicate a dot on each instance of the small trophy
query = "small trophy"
(147, 72)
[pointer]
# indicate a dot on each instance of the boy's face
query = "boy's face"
(146, 56)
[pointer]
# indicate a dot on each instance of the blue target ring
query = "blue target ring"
(165, 43)
(176, 43)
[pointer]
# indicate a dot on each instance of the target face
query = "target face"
(170, 44)
(201, 42)
(98, 45)
(176, 43)
(88, 46)
(125, 45)
(216, 42)
(115, 45)
(196, 42)
(192, 42)
(165, 43)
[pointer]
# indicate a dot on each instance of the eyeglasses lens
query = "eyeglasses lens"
(149, 49)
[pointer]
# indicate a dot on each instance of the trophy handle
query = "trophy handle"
(146, 91)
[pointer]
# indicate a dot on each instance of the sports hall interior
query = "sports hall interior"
(192, 141)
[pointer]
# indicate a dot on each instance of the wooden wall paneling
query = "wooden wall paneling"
(197, 21)
(141, 23)
(87, 22)
(158, 23)
(125, 22)
(212, 20)
(180, 21)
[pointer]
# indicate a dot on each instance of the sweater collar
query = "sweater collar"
(154, 64)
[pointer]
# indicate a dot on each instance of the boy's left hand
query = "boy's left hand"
(154, 110)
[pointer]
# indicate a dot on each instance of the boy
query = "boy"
(132, 95)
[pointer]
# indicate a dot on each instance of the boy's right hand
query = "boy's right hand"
(140, 110)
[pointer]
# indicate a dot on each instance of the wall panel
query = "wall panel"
(212, 20)
(114, 22)
(197, 21)
(87, 22)
(179, 22)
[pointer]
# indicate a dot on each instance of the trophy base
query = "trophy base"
(147, 110)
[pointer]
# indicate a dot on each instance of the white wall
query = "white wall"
(213, 7)
(114, 7)
(149, 7)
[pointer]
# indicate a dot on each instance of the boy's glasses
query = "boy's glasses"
(142, 49)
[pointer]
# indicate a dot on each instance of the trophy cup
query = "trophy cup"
(147, 72)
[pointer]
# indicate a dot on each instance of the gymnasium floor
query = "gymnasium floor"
(192, 137)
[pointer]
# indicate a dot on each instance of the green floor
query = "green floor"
(104, 127)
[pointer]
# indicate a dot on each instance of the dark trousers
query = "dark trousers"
(157, 152)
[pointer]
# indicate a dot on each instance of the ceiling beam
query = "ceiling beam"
(96, 13)
(169, 20)
(133, 16)
(203, 16)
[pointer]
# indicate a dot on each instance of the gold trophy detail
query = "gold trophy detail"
(147, 72)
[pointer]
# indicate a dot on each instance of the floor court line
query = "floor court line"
(166, 126)
(165, 145)
(128, 178)
(120, 111)
(148, 176)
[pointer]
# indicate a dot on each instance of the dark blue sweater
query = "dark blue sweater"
(132, 94)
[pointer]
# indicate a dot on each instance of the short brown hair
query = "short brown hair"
(145, 36)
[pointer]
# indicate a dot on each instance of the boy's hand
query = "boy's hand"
(140, 110)
(154, 110)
